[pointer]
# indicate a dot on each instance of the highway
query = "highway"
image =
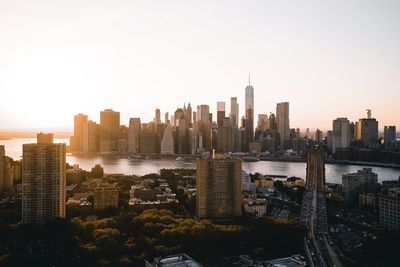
(315, 219)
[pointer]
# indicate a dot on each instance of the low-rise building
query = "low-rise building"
(105, 196)
(256, 207)
(295, 181)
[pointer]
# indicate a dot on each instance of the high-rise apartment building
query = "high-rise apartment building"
(219, 188)
(43, 180)
(341, 135)
(109, 130)
(282, 121)
(135, 127)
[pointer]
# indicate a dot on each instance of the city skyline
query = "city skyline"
(73, 58)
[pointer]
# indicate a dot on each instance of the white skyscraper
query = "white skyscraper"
(341, 135)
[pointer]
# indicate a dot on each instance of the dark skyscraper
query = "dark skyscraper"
(219, 188)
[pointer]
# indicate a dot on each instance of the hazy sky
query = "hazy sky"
(327, 58)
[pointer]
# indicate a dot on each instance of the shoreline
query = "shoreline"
(191, 158)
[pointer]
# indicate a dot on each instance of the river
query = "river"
(110, 164)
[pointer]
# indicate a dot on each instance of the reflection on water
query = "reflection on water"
(141, 166)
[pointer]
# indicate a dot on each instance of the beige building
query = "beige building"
(109, 130)
(219, 188)
(264, 182)
(76, 141)
(367, 200)
(105, 196)
(135, 127)
(43, 180)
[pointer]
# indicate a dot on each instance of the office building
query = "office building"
(105, 196)
(367, 130)
(109, 130)
(220, 113)
(226, 136)
(389, 135)
(341, 136)
(263, 122)
(363, 181)
(249, 115)
(134, 135)
(389, 209)
(219, 188)
(157, 119)
(282, 121)
(91, 137)
(234, 116)
(167, 142)
(149, 143)
(188, 114)
(43, 180)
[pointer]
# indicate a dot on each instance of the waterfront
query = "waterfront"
(111, 164)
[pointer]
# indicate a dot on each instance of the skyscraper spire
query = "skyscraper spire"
(249, 78)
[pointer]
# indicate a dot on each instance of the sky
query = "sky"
(328, 59)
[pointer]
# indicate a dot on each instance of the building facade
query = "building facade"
(219, 188)
(43, 180)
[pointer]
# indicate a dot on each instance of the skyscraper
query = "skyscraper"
(282, 120)
(188, 114)
(219, 188)
(134, 135)
(109, 130)
(220, 112)
(249, 114)
(234, 116)
(76, 141)
(43, 180)
(167, 142)
(157, 118)
(389, 134)
(91, 137)
(263, 122)
(341, 135)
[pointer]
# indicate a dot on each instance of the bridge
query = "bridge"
(318, 245)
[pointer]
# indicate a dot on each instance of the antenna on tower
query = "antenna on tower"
(369, 114)
(249, 78)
